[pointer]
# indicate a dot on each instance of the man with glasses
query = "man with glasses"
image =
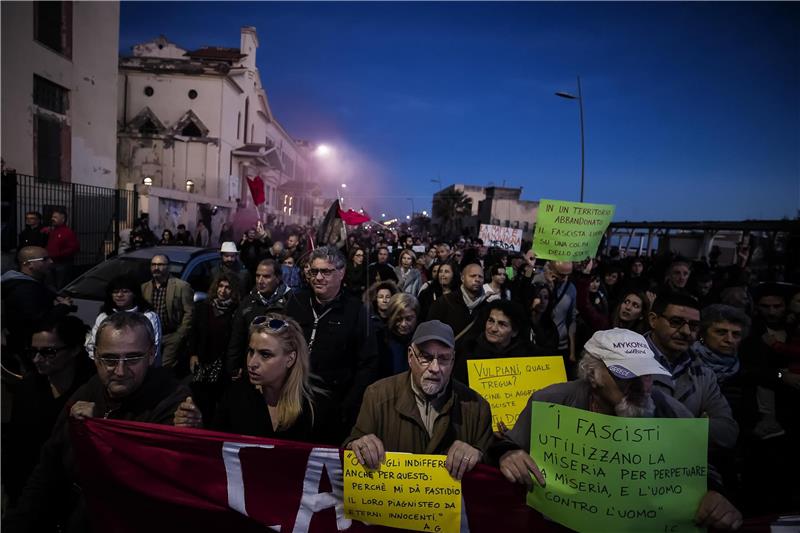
(56, 350)
(423, 410)
(173, 301)
(28, 301)
(336, 326)
(675, 322)
(125, 388)
(269, 294)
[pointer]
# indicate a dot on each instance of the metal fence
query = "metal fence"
(96, 214)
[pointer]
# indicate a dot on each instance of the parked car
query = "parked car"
(191, 264)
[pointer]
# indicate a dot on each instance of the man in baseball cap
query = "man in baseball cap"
(615, 377)
(423, 410)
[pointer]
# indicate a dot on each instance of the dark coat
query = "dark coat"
(50, 496)
(390, 412)
(248, 309)
(26, 303)
(469, 348)
(243, 410)
(344, 352)
(452, 310)
(32, 237)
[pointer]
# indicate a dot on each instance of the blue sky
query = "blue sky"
(692, 110)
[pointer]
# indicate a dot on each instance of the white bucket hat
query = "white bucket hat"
(229, 247)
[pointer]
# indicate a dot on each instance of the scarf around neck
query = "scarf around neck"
(221, 306)
(469, 301)
(724, 366)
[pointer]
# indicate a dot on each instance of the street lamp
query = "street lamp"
(412, 204)
(579, 98)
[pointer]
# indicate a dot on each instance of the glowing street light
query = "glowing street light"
(424, 213)
(383, 215)
(323, 150)
(408, 217)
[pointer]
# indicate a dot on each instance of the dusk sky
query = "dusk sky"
(692, 110)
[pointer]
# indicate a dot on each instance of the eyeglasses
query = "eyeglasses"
(111, 361)
(326, 272)
(47, 352)
(426, 359)
(676, 322)
(275, 324)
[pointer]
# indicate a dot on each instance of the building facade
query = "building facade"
(193, 126)
(500, 206)
(59, 86)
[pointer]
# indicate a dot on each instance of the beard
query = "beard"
(431, 388)
(643, 408)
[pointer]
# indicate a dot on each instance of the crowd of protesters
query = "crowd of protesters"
(365, 345)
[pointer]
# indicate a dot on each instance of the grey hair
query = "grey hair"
(330, 254)
(587, 365)
(126, 320)
(723, 313)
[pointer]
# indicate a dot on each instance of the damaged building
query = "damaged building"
(193, 125)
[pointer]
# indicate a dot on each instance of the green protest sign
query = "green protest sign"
(570, 231)
(609, 473)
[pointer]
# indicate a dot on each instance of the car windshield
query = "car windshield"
(92, 284)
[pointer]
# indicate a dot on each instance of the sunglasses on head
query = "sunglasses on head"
(275, 324)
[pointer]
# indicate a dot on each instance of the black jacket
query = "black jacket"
(452, 310)
(344, 350)
(248, 309)
(50, 496)
(26, 303)
(32, 237)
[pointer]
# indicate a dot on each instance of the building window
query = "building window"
(191, 130)
(148, 128)
(50, 96)
(52, 25)
(239, 126)
(246, 118)
(51, 147)
(192, 94)
(148, 91)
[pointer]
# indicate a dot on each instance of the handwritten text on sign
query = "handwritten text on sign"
(570, 231)
(501, 237)
(408, 491)
(608, 473)
(508, 383)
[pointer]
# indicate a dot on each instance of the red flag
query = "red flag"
(256, 186)
(197, 480)
(351, 218)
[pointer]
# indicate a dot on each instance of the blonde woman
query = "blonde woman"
(393, 341)
(277, 399)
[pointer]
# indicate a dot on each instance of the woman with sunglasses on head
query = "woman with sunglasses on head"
(124, 294)
(277, 399)
(56, 349)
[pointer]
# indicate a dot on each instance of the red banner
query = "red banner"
(256, 186)
(352, 218)
(144, 477)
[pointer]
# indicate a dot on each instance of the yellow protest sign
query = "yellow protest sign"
(507, 383)
(570, 231)
(408, 491)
